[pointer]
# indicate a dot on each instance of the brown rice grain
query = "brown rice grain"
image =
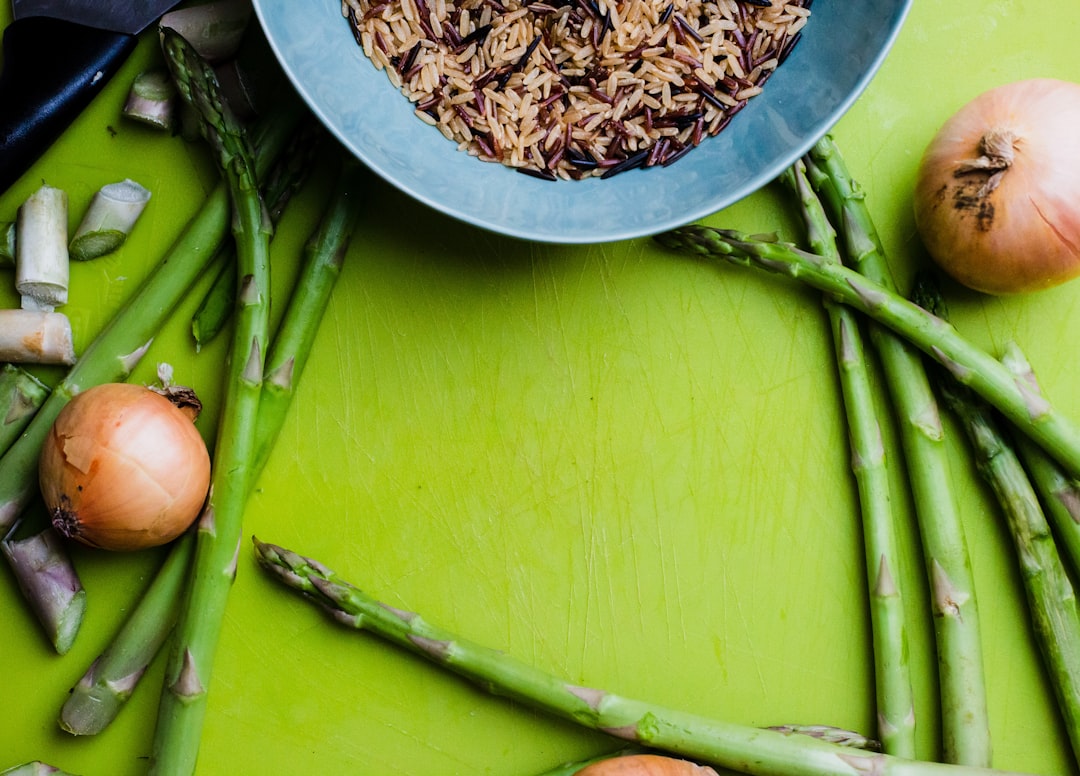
(546, 87)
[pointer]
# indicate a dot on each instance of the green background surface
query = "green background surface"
(618, 464)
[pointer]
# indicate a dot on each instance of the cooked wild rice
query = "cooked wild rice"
(575, 88)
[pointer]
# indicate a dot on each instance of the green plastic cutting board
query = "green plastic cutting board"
(618, 464)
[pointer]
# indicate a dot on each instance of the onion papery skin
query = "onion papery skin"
(1024, 235)
(123, 468)
(645, 765)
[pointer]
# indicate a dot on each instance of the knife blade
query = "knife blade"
(58, 54)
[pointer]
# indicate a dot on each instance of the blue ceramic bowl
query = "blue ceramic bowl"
(841, 48)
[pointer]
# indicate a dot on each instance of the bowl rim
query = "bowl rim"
(461, 209)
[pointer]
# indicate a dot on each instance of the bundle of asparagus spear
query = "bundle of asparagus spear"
(929, 367)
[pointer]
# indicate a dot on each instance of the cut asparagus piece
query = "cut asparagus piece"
(35, 768)
(968, 363)
(36, 337)
(109, 220)
(965, 726)
(151, 99)
(41, 253)
(892, 674)
(7, 243)
(738, 747)
(48, 581)
(21, 396)
(98, 696)
(187, 676)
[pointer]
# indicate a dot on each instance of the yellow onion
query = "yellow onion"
(645, 765)
(123, 468)
(997, 200)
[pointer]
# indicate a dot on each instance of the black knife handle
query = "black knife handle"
(52, 70)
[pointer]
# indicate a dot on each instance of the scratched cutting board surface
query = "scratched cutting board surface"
(620, 465)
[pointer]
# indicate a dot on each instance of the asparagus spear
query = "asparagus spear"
(21, 395)
(971, 365)
(324, 253)
(187, 676)
(101, 692)
(965, 734)
(1050, 594)
(218, 302)
(1060, 493)
(894, 696)
(118, 347)
(741, 748)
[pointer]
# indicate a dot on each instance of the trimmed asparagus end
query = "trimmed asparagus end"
(35, 768)
(50, 585)
(36, 337)
(21, 394)
(109, 219)
(41, 252)
(151, 100)
(93, 705)
(7, 243)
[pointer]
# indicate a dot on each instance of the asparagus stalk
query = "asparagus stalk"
(893, 692)
(1050, 594)
(183, 704)
(971, 365)
(1060, 493)
(738, 747)
(47, 579)
(965, 725)
(220, 298)
(21, 395)
(98, 696)
(107, 684)
(324, 254)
